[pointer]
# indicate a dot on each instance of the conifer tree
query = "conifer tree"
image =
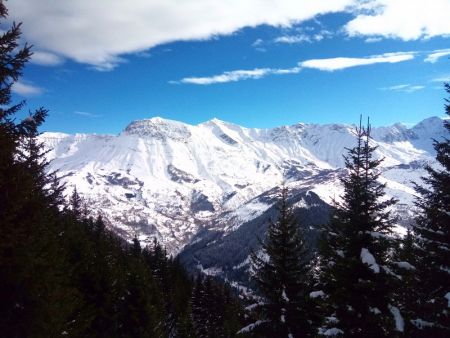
(140, 312)
(36, 299)
(179, 301)
(76, 204)
(99, 226)
(199, 308)
(280, 273)
(356, 275)
(432, 230)
(215, 312)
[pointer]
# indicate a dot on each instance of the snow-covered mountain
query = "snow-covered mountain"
(183, 183)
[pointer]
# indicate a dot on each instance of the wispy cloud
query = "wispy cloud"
(144, 54)
(87, 114)
(258, 43)
(443, 78)
(26, 88)
(373, 39)
(237, 75)
(338, 63)
(436, 55)
(108, 65)
(303, 37)
(292, 39)
(46, 59)
(406, 88)
(322, 35)
(329, 65)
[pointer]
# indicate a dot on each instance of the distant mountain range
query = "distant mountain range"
(208, 190)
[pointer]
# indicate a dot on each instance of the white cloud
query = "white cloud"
(404, 19)
(330, 65)
(100, 32)
(322, 35)
(443, 78)
(407, 88)
(291, 39)
(373, 39)
(258, 43)
(237, 75)
(46, 59)
(437, 54)
(300, 38)
(338, 63)
(411, 89)
(25, 88)
(86, 114)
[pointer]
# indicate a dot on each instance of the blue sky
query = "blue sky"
(262, 64)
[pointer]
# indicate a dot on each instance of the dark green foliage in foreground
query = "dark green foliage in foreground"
(356, 271)
(215, 311)
(432, 230)
(281, 275)
(35, 292)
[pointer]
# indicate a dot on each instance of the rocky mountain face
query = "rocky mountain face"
(207, 191)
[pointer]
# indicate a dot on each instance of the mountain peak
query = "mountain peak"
(430, 126)
(157, 119)
(159, 128)
(430, 121)
(216, 120)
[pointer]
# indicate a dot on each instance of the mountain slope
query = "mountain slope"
(168, 179)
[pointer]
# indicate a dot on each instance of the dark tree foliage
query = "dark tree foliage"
(216, 312)
(432, 231)
(281, 274)
(356, 275)
(75, 204)
(175, 289)
(199, 311)
(36, 298)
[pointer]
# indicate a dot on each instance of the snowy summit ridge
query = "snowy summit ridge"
(158, 127)
(169, 179)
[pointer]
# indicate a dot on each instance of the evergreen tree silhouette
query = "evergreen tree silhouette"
(432, 231)
(356, 274)
(281, 275)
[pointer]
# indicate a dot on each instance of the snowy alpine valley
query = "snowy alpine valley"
(208, 190)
